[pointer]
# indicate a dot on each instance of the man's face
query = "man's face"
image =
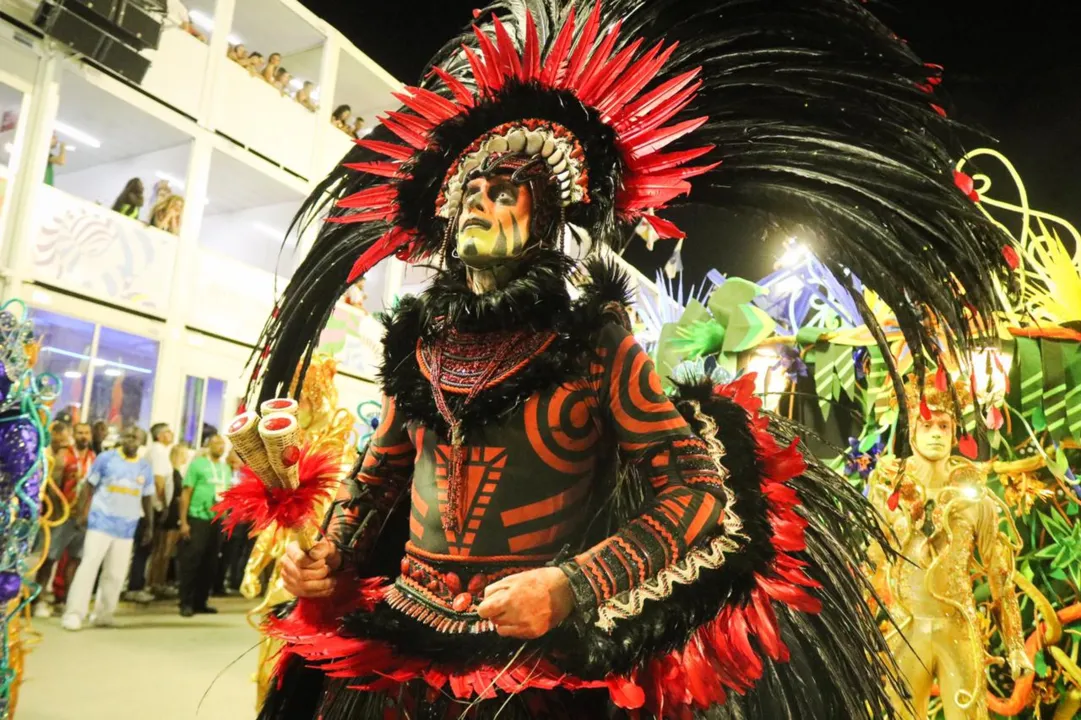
(129, 441)
(216, 446)
(61, 438)
(933, 439)
(82, 436)
(165, 437)
(493, 226)
(99, 431)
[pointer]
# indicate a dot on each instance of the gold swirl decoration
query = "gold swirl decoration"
(1049, 273)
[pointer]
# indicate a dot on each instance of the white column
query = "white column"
(38, 118)
(169, 380)
(218, 47)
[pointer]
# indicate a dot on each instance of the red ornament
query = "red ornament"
(478, 583)
(942, 382)
(278, 423)
(967, 446)
(461, 602)
(453, 582)
(290, 456)
(405, 566)
(894, 500)
(1012, 258)
(925, 409)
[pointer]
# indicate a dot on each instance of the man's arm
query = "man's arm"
(997, 554)
(148, 515)
(185, 503)
(86, 497)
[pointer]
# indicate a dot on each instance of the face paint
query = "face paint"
(493, 226)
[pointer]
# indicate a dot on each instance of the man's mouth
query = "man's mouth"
(477, 222)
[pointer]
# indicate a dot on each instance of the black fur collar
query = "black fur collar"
(531, 300)
(538, 299)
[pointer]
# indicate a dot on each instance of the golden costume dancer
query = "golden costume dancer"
(324, 425)
(946, 523)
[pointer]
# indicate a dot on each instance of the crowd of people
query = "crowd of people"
(271, 71)
(140, 524)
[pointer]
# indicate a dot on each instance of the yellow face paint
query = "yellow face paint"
(493, 226)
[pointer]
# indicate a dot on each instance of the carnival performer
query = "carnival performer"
(943, 516)
(323, 426)
(537, 530)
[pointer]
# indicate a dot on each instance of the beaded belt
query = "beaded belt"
(443, 592)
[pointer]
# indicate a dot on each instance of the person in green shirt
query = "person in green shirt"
(207, 478)
(130, 201)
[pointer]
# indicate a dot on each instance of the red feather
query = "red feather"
(598, 61)
(508, 54)
(391, 150)
(460, 92)
(663, 137)
(1011, 256)
(602, 81)
(553, 63)
(583, 48)
(380, 250)
(968, 447)
(434, 108)
(942, 382)
(489, 61)
(925, 409)
(478, 70)
(382, 169)
(418, 140)
(531, 56)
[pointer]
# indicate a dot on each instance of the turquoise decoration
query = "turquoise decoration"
(369, 412)
(22, 444)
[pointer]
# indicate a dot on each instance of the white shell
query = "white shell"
(556, 169)
(548, 147)
(533, 142)
(516, 141)
(497, 144)
(555, 158)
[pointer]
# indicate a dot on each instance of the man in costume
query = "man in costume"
(537, 529)
(942, 514)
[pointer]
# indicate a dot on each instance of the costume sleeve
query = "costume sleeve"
(997, 555)
(689, 498)
(366, 497)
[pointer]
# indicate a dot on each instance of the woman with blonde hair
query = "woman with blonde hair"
(166, 214)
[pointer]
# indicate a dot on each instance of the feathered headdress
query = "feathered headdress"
(811, 113)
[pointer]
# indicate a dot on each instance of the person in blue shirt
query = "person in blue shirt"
(121, 490)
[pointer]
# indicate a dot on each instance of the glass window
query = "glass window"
(11, 101)
(194, 389)
(123, 379)
(214, 412)
(66, 346)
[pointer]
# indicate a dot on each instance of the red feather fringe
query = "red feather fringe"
(250, 501)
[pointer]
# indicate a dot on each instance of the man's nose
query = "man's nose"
(475, 200)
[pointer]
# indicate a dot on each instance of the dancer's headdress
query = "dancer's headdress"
(808, 111)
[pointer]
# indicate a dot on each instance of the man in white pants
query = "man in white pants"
(121, 486)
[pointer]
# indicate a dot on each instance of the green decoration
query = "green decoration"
(1071, 361)
(1054, 396)
(747, 327)
(705, 337)
(828, 364)
(809, 335)
(1031, 376)
(730, 295)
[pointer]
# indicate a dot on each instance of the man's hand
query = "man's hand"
(185, 530)
(528, 604)
(148, 536)
(308, 574)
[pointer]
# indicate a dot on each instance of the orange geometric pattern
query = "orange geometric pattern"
(483, 471)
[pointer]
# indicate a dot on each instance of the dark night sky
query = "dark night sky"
(1014, 74)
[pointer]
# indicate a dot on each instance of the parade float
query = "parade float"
(799, 330)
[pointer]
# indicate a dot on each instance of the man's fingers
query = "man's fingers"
(315, 587)
(492, 607)
(496, 587)
(319, 551)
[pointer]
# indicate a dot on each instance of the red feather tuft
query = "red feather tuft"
(553, 64)
(942, 381)
(381, 249)
(391, 150)
(1011, 256)
(925, 409)
(457, 88)
(664, 228)
(250, 501)
(583, 47)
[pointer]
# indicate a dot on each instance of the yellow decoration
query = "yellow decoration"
(1049, 276)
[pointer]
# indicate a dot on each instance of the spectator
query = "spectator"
(270, 70)
(71, 465)
(358, 126)
(99, 431)
(200, 533)
(120, 487)
(253, 63)
(159, 456)
(238, 53)
(58, 156)
(167, 213)
(340, 117)
(130, 200)
(282, 78)
(162, 190)
(169, 529)
(304, 95)
(237, 547)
